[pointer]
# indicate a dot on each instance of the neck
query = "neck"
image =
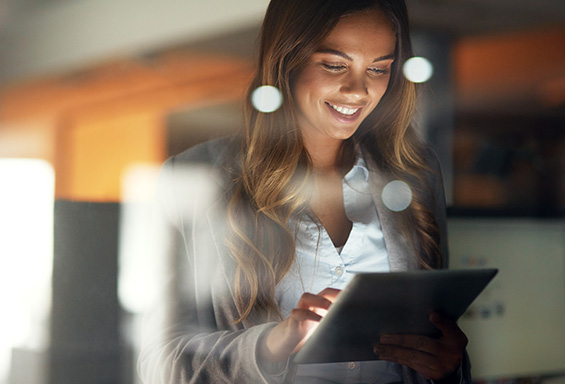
(327, 156)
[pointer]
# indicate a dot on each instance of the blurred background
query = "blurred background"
(96, 94)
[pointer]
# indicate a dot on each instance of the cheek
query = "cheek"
(311, 90)
(301, 96)
(379, 89)
(314, 84)
(302, 86)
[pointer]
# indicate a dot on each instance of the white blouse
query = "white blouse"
(319, 265)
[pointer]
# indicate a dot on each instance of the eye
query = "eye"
(380, 71)
(334, 67)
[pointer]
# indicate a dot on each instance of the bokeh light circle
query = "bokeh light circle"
(418, 69)
(397, 195)
(266, 99)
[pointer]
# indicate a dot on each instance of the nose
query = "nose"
(355, 87)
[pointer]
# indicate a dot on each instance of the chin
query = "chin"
(346, 133)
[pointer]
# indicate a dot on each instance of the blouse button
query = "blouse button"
(339, 271)
(351, 365)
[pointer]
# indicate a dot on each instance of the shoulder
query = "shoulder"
(431, 158)
(213, 153)
(427, 172)
(219, 157)
(214, 160)
(432, 164)
(194, 179)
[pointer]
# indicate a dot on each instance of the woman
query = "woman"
(300, 208)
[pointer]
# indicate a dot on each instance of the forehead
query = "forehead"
(368, 31)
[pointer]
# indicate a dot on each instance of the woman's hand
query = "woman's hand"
(288, 337)
(436, 359)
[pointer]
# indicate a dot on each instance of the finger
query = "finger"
(416, 342)
(431, 357)
(305, 322)
(420, 361)
(443, 323)
(426, 370)
(431, 371)
(301, 314)
(330, 293)
(451, 332)
(309, 301)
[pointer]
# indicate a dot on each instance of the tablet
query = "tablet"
(373, 304)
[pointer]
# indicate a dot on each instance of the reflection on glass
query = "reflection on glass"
(26, 260)
(418, 69)
(266, 99)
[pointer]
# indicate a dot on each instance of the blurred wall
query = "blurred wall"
(54, 36)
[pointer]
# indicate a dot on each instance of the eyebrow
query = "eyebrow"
(347, 57)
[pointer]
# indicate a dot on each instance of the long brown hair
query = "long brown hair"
(273, 183)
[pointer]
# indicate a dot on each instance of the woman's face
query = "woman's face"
(344, 80)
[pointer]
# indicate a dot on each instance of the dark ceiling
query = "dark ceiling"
(473, 17)
(456, 18)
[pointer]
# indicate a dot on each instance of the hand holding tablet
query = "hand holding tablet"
(377, 304)
(435, 358)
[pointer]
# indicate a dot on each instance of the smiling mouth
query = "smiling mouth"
(344, 110)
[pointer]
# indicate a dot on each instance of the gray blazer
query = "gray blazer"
(204, 345)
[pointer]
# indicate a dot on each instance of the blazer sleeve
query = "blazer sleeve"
(439, 206)
(191, 338)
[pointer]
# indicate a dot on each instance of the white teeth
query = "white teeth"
(345, 111)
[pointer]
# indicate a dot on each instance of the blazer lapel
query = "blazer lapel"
(218, 228)
(399, 253)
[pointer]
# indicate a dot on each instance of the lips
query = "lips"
(344, 114)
